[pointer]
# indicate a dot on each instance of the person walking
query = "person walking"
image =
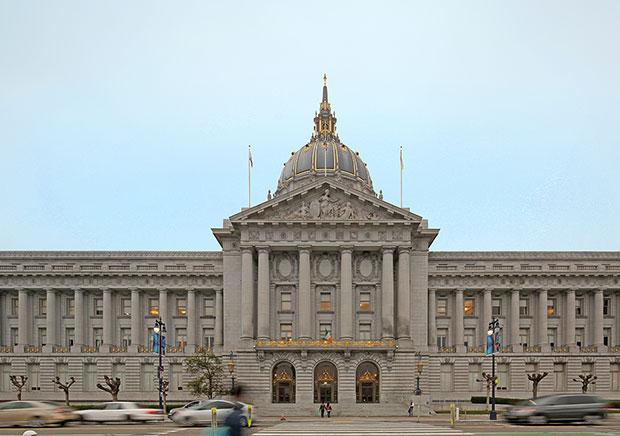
(322, 410)
(410, 410)
(328, 409)
(233, 421)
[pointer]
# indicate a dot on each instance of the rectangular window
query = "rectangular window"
(126, 306)
(286, 330)
(442, 307)
(524, 307)
(90, 377)
(118, 370)
(606, 306)
(579, 336)
(208, 338)
(615, 376)
(42, 336)
(149, 337)
(365, 331)
(587, 368)
(365, 305)
(552, 337)
(147, 377)
(442, 338)
(469, 307)
(98, 306)
(153, 306)
(447, 378)
(325, 330)
(579, 307)
(551, 307)
(524, 336)
(531, 368)
(97, 337)
(14, 306)
(286, 301)
(176, 377)
(33, 372)
(70, 306)
(325, 301)
(475, 374)
(470, 337)
(42, 306)
(497, 307)
(503, 370)
(559, 374)
(125, 335)
(181, 307)
(181, 337)
(69, 336)
(209, 306)
(607, 336)
(5, 377)
(14, 336)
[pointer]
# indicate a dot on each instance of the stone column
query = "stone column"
(305, 296)
(219, 318)
(459, 329)
(569, 338)
(191, 321)
(542, 319)
(346, 294)
(108, 323)
(51, 320)
(79, 325)
(487, 314)
(419, 294)
(404, 294)
(513, 339)
(23, 333)
(247, 294)
(432, 320)
(262, 304)
(137, 319)
(597, 323)
(387, 296)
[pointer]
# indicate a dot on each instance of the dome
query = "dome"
(324, 156)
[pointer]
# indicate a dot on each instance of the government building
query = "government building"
(324, 292)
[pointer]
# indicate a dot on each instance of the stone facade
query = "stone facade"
(322, 292)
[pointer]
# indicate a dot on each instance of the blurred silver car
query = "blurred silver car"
(566, 407)
(120, 411)
(191, 404)
(201, 413)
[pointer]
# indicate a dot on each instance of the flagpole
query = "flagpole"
(249, 176)
(401, 176)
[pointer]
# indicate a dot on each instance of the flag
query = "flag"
(155, 342)
(402, 162)
(163, 345)
(251, 162)
(490, 345)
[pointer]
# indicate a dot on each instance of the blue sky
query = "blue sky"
(125, 125)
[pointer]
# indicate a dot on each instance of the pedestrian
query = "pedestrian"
(410, 410)
(233, 421)
(328, 409)
(322, 410)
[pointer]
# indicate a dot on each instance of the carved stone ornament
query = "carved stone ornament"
(326, 266)
(284, 266)
(366, 266)
(328, 207)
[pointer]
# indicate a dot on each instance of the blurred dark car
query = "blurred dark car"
(567, 407)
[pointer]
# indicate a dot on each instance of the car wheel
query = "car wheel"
(36, 422)
(243, 421)
(537, 419)
(188, 422)
(593, 419)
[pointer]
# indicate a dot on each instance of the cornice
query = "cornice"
(133, 255)
(523, 255)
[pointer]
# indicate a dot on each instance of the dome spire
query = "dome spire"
(325, 87)
(325, 121)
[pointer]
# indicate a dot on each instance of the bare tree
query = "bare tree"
(19, 381)
(64, 386)
(488, 380)
(113, 386)
(585, 380)
(536, 378)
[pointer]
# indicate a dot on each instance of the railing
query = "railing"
(560, 349)
(117, 349)
(33, 349)
(451, 349)
(59, 349)
(176, 349)
(505, 349)
(6, 349)
(531, 349)
(89, 349)
(326, 343)
(476, 349)
(203, 349)
(589, 349)
(614, 349)
(144, 349)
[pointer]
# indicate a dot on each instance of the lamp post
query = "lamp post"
(231, 370)
(493, 342)
(160, 329)
(420, 367)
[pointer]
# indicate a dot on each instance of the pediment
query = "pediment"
(325, 201)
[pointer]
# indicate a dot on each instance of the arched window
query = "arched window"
(325, 383)
(367, 383)
(283, 380)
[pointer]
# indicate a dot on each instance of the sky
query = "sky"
(125, 125)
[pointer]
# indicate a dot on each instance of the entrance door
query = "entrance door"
(325, 393)
(284, 393)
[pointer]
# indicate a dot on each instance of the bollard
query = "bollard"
(249, 415)
(457, 416)
(452, 414)
(213, 419)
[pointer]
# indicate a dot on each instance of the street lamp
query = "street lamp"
(420, 367)
(231, 370)
(160, 329)
(493, 344)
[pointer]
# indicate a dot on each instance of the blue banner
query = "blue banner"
(490, 346)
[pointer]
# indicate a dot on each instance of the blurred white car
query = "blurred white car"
(201, 413)
(120, 411)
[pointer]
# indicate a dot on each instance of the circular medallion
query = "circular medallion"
(366, 267)
(285, 268)
(325, 267)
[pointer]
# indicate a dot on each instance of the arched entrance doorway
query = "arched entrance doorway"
(367, 383)
(283, 379)
(325, 383)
